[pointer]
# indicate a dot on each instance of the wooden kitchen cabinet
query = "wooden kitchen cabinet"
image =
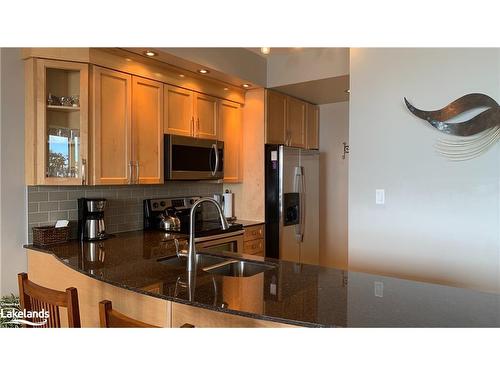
(295, 133)
(291, 121)
(178, 110)
(253, 240)
(111, 127)
(127, 129)
(231, 132)
(56, 122)
(276, 111)
(254, 247)
(147, 130)
(254, 232)
(190, 114)
(205, 110)
(113, 132)
(312, 127)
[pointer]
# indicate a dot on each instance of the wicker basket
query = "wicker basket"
(43, 236)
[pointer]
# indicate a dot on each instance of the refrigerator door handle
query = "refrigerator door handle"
(299, 188)
(302, 205)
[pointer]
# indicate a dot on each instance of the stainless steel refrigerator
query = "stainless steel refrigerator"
(292, 204)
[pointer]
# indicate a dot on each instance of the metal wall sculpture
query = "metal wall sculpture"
(470, 138)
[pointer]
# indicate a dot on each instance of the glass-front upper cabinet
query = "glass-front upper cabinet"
(61, 122)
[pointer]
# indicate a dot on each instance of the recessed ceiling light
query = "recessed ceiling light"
(127, 59)
(225, 88)
(203, 71)
(246, 85)
(150, 53)
(348, 91)
(181, 75)
(265, 50)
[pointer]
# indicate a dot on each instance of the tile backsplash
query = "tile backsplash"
(46, 204)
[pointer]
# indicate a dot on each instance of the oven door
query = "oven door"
(188, 158)
(222, 243)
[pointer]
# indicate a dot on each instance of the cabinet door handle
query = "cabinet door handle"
(192, 125)
(84, 170)
(198, 125)
(130, 171)
(187, 325)
(137, 172)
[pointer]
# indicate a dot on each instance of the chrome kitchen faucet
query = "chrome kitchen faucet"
(191, 256)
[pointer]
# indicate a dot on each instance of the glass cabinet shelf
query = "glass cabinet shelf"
(62, 108)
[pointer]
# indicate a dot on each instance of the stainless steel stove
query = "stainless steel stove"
(208, 231)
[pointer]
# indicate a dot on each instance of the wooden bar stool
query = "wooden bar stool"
(33, 297)
(113, 319)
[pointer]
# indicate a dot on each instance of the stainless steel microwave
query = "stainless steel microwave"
(187, 158)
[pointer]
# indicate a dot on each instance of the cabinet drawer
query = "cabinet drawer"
(254, 232)
(255, 247)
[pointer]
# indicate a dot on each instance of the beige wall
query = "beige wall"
(334, 129)
(13, 190)
(441, 221)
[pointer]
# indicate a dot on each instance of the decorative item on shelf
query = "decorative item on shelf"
(53, 100)
(66, 101)
(63, 101)
(75, 100)
(471, 138)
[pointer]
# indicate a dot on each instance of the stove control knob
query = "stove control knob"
(163, 204)
(155, 205)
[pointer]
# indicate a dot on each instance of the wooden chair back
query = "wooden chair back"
(33, 297)
(110, 318)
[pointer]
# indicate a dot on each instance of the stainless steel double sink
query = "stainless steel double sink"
(222, 266)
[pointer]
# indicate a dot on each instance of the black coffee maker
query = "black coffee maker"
(91, 225)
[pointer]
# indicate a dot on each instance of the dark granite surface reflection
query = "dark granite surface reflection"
(290, 293)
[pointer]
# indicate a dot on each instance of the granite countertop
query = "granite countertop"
(249, 223)
(290, 293)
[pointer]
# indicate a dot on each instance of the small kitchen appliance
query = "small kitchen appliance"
(91, 226)
(189, 158)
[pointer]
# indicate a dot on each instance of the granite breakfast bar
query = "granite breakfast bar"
(139, 272)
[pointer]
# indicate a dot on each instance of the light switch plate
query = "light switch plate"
(379, 196)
